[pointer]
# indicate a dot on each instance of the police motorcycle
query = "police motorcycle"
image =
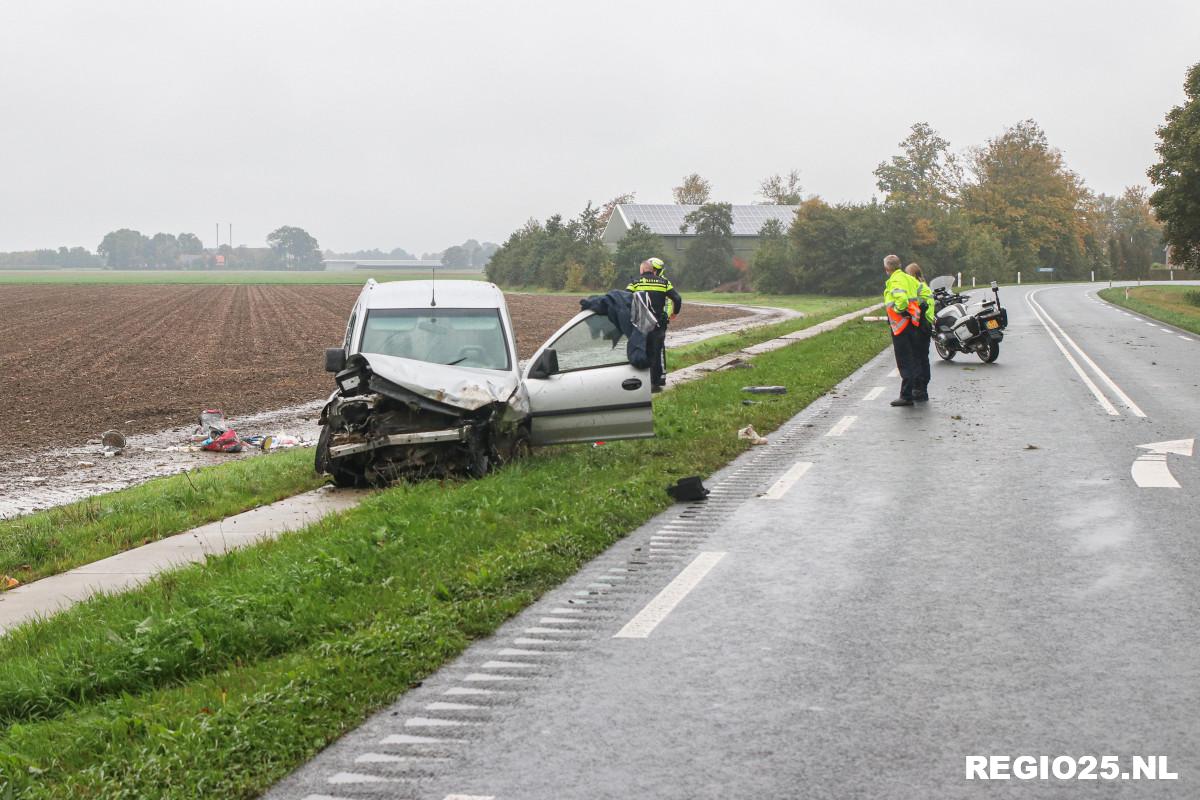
(964, 326)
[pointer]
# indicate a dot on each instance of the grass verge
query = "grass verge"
(58, 539)
(1170, 304)
(218, 679)
(816, 309)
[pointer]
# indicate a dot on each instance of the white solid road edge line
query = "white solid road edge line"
(1124, 398)
(664, 603)
(780, 487)
(1100, 398)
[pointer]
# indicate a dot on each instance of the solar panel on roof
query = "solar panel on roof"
(665, 219)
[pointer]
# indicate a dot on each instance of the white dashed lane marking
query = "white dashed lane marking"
(646, 620)
(874, 393)
(780, 487)
(842, 426)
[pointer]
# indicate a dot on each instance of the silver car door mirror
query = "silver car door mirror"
(545, 366)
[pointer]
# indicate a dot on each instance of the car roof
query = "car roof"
(449, 294)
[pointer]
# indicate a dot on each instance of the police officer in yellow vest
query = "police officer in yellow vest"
(659, 290)
(924, 332)
(901, 297)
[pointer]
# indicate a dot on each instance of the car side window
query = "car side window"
(590, 343)
(350, 329)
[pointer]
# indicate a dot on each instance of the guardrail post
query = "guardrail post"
(1018, 279)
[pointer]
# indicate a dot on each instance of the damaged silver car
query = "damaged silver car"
(428, 385)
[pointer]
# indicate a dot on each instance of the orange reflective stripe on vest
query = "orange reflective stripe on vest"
(900, 323)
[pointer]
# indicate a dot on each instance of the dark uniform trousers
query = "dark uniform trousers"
(924, 335)
(656, 349)
(906, 346)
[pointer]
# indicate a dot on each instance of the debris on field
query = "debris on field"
(113, 442)
(765, 389)
(688, 490)
(1032, 447)
(956, 416)
(212, 422)
(278, 441)
(227, 442)
(9, 582)
(737, 363)
(34, 479)
(85, 463)
(751, 402)
(751, 435)
(597, 444)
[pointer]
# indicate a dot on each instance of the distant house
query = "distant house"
(666, 220)
(398, 264)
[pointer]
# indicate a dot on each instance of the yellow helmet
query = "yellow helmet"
(657, 263)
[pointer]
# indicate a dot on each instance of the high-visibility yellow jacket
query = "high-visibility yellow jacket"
(901, 294)
(925, 295)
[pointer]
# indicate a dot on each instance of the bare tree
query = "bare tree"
(694, 191)
(608, 208)
(781, 190)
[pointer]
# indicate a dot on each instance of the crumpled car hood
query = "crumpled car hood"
(462, 387)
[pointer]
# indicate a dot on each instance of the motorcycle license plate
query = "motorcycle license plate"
(993, 324)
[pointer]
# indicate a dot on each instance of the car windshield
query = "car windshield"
(465, 337)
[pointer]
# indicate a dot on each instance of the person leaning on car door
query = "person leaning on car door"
(659, 290)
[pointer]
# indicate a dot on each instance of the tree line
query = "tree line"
(1009, 206)
(470, 253)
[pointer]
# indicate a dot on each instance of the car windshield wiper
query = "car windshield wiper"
(452, 363)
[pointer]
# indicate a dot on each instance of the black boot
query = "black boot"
(902, 401)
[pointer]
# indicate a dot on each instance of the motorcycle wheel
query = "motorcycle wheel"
(989, 352)
(944, 352)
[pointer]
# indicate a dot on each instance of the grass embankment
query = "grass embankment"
(218, 679)
(58, 539)
(816, 308)
(1175, 305)
(116, 276)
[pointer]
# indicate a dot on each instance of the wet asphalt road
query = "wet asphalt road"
(976, 576)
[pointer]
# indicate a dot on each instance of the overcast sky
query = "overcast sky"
(420, 124)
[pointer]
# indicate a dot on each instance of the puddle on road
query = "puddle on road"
(145, 456)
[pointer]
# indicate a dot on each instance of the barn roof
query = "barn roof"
(666, 219)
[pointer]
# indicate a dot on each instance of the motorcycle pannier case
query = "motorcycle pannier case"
(966, 328)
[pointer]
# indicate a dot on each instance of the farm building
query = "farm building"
(350, 264)
(666, 221)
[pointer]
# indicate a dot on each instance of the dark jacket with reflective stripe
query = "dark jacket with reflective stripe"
(658, 289)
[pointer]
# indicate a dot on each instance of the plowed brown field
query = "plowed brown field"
(78, 360)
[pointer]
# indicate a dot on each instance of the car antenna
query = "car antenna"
(433, 287)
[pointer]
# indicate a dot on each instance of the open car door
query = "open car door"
(582, 387)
